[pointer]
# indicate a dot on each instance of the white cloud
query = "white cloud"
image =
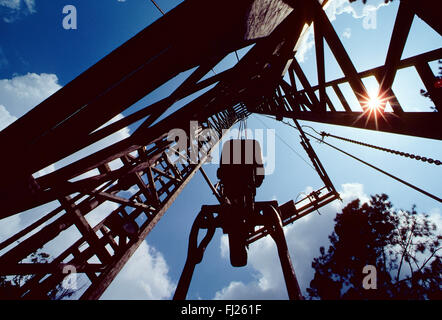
(304, 239)
(11, 4)
(7, 225)
(307, 43)
(21, 93)
(145, 276)
(435, 216)
(224, 246)
(347, 33)
(30, 5)
(14, 9)
(5, 117)
(352, 191)
(337, 7)
(367, 13)
(17, 96)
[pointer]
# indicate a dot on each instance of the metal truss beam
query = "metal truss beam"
(303, 104)
(146, 181)
(419, 124)
(313, 103)
(144, 188)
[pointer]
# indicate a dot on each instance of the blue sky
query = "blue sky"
(38, 57)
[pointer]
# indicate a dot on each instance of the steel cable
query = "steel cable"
(368, 164)
(399, 153)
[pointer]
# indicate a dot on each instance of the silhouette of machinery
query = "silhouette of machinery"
(100, 206)
(241, 172)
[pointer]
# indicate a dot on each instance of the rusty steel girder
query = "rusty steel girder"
(186, 38)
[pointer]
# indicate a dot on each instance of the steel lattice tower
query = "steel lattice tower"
(185, 38)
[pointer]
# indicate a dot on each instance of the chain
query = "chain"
(399, 153)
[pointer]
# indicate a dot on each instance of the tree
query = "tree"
(10, 287)
(402, 246)
(425, 93)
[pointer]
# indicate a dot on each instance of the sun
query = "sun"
(374, 102)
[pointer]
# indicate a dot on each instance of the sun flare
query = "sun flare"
(374, 102)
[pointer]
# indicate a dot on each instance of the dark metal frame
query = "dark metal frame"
(313, 104)
(212, 217)
(154, 181)
(185, 38)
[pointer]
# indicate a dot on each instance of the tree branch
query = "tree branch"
(426, 261)
(403, 254)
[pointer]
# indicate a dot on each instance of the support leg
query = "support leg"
(204, 220)
(274, 224)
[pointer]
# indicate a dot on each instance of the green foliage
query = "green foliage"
(11, 287)
(402, 245)
(425, 93)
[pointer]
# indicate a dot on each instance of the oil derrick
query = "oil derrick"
(185, 38)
